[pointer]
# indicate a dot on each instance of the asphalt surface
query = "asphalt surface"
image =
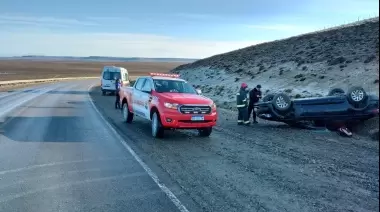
(56, 154)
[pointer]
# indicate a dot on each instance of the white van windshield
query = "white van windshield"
(111, 75)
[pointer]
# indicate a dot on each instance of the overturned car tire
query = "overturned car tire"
(356, 95)
(268, 98)
(281, 102)
(336, 92)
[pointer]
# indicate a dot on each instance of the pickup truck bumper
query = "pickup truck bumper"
(183, 121)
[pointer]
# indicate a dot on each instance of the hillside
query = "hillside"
(303, 66)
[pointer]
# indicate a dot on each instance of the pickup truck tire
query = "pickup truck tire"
(127, 115)
(103, 93)
(205, 132)
(157, 129)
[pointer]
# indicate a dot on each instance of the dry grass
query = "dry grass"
(28, 69)
(302, 66)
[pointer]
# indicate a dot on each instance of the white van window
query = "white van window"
(111, 75)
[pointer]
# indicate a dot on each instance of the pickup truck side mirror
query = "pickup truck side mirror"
(199, 91)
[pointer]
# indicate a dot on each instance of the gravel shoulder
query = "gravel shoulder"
(265, 167)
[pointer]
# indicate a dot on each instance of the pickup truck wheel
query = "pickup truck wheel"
(127, 115)
(281, 102)
(157, 129)
(103, 93)
(356, 95)
(205, 132)
(336, 92)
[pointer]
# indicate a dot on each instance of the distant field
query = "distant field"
(27, 70)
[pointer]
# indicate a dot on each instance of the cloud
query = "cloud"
(112, 44)
(6, 19)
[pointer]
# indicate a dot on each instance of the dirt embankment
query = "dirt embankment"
(302, 66)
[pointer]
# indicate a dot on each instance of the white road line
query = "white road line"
(58, 163)
(116, 177)
(18, 103)
(5, 94)
(57, 174)
(154, 176)
(28, 97)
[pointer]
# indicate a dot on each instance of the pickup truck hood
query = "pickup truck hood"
(185, 98)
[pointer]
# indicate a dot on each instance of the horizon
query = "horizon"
(195, 30)
(99, 56)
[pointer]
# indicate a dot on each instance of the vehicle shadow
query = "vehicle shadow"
(44, 129)
(141, 130)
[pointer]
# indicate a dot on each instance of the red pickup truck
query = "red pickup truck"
(169, 103)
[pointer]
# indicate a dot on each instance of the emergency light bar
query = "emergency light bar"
(164, 75)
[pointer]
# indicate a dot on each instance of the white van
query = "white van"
(109, 76)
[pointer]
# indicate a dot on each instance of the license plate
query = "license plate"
(197, 118)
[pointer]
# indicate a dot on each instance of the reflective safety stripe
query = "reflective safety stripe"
(244, 100)
(240, 105)
(240, 121)
(237, 94)
(246, 122)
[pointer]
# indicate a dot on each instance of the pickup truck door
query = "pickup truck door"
(137, 102)
(145, 98)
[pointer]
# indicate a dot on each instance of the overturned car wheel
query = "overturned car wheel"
(356, 95)
(336, 92)
(268, 98)
(281, 102)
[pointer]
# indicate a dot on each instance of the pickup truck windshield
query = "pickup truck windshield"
(173, 86)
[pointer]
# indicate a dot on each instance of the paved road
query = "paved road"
(56, 154)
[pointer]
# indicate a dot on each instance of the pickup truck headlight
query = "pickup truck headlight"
(213, 106)
(171, 105)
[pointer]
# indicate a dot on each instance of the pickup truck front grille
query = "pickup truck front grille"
(195, 109)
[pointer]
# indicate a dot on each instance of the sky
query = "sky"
(163, 28)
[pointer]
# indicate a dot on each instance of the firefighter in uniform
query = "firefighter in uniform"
(242, 105)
